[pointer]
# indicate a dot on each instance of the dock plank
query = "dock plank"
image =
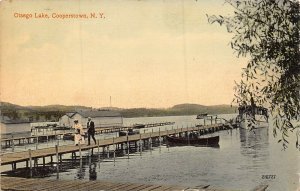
(34, 184)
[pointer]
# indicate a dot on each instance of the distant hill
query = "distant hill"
(181, 109)
(54, 112)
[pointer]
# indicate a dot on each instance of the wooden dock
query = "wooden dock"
(15, 157)
(37, 184)
(10, 142)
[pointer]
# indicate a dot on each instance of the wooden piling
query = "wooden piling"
(98, 146)
(57, 157)
(114, 147)
(30, 162)
(36, 143)
(127, 145)
(159, 140)
(188, 135)
(140, 145)
(80, 154)
(13, 144)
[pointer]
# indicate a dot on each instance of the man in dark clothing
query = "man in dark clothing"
(91, 130)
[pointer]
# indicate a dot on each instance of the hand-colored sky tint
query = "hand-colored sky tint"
(143, 54)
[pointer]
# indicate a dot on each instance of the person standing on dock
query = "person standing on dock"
(91, 130)
(79, 133)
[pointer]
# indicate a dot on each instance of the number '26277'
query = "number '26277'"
(268, 177)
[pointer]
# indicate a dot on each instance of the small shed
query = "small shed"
(101, 118)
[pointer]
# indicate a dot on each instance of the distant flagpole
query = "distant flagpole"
(110, 102)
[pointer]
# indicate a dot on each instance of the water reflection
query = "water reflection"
(254, 146)
(92, 171)
(80, 171)
(254, 138)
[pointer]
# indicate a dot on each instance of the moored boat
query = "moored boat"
(205, 141)
(139, 126)
(251, 117)
(129, 132)
(201, 116)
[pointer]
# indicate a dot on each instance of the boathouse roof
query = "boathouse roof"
(14, 121)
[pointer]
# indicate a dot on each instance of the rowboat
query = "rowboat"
(129, 132)
(139, 126)
(205, 141)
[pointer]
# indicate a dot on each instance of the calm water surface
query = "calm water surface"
(239, 163)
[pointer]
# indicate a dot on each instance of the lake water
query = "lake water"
(240, 162)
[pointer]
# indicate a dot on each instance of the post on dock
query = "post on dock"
(114, 146)
(99, 156)
(36, 143)
(140, 145)
(14, 166)
(150, 143)
(127, 145)
(57, 158)
(12, 144)
(90, 157)
(188, 135)
(107, 148)
(98, 146)
(80, 154)
(159, 139)
(57, 137)
(30, 162)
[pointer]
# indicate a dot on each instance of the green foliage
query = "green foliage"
(267, 31)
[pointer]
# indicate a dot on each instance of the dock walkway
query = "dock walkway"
(46, 136)
(15, 157)
(37, 184)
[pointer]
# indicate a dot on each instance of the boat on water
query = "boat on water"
(202, 115)
(139, 126)
(252, 116)
(204, 141)
(129, 132)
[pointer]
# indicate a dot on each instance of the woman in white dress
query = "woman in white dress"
(79, 133)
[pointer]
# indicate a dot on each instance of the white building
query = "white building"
(101, 118)
(15, 128)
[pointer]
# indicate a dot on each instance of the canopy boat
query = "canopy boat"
(252, 116)
(205, 141)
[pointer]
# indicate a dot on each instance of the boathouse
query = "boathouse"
(14, 128)
(101, 118)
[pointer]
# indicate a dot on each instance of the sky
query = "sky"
(141, 53)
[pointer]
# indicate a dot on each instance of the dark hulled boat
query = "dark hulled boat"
(202, 116)
(129, 132)
(207, 141)
(139, 126)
